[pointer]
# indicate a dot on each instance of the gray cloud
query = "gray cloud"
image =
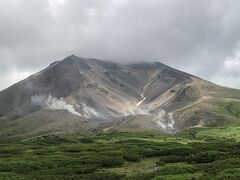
(195, 36)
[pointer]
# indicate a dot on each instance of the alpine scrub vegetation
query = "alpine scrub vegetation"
(122, 155)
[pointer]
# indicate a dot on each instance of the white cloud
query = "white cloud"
(232, 64)
(229, 74)
(13, 77)
(195, 36)
(55, 6)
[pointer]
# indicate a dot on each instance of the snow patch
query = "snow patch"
(137, 110)
(139, 103)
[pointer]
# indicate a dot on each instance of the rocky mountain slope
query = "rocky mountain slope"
(78, 95)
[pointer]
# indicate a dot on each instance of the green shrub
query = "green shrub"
(179, 168)
(112, 161)
(132, 157)
(173, 159)
(82, 169)
(205, 157)
(86, 140)
(160, 163)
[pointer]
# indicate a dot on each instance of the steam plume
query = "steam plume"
(165, 120)
(50, 102)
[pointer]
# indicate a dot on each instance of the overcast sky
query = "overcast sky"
(201, 37)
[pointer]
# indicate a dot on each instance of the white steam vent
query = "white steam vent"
(165, 120)
(50, 102)
(90, 112)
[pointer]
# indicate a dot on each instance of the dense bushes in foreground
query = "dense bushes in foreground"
(119, 156)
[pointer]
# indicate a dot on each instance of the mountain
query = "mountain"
(82, 95)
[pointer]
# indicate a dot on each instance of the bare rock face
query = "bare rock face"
(100, 93)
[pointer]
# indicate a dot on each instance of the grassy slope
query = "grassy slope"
(216, 106)
(44, 122)
(138, 123)
(200, 153)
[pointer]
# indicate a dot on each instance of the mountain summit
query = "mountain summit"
(78, 95)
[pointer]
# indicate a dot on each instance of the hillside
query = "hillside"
(79, 95)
